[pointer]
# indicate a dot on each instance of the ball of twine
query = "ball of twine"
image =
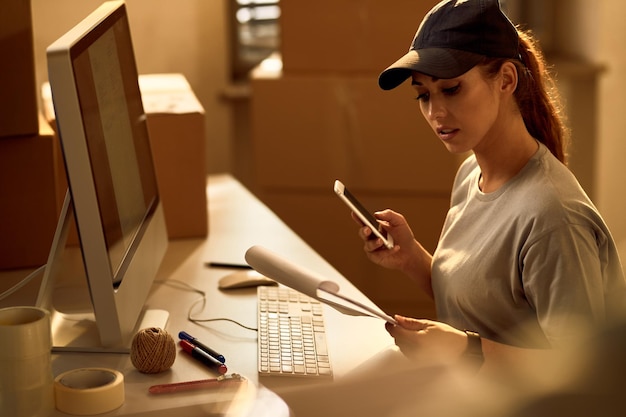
(153, 350)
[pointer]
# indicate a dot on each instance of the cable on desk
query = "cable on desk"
(194, 320)
(22, 283)
(185, 286)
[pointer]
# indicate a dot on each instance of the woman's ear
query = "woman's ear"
(509, 77)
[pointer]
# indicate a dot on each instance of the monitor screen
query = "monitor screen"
(117, 142)
(112, 183)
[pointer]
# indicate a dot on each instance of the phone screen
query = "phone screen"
(364, 215)
(360, 207)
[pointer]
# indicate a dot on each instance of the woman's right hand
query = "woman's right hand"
(407, 255)
(404, 241)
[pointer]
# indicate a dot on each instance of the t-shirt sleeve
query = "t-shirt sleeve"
(563, 280)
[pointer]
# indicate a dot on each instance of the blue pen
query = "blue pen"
(203, 357)
(186, 336)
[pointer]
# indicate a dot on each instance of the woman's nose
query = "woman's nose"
(436, 109)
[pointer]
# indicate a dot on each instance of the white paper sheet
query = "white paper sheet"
(308, 282)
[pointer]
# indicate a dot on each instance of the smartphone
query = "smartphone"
(362, 213)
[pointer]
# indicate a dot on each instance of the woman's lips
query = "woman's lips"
(446, 134)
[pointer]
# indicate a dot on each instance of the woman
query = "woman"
(524, 261)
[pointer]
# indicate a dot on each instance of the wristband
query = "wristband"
(473, 354)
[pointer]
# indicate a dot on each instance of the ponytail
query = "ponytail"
(537, 96)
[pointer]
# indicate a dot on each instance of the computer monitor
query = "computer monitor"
(113, 192)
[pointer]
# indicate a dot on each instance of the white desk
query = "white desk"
(237, 220)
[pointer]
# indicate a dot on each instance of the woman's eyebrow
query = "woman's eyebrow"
(434, 79)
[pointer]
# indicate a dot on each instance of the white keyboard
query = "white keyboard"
(292, 334)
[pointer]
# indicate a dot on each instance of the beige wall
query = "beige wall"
(186, 36)
(594, 30)
(612, 123)
(586, 38)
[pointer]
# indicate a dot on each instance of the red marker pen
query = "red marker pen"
(203, 357)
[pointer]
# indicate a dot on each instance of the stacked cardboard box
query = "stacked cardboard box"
(323, 117)
(32, 172)
(29, 209)
(33, 180)
(18, 97)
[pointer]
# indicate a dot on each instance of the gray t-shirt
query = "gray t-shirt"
(530, 264)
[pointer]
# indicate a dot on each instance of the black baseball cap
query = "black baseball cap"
(453, 37)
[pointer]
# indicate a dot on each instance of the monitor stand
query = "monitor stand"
(64, 292)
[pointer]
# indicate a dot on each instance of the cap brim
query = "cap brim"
(435, 62)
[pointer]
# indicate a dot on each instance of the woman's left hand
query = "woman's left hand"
(428, 341)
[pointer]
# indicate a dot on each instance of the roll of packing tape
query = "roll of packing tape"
(88, 391)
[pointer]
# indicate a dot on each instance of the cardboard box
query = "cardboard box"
(176, 126)
(18, 98)
(348, 35)
(29, 210)
(308, 130)
(177, 136)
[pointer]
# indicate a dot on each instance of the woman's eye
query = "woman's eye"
(452, 90)
(423, 97)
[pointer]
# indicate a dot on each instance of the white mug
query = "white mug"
(26, 381)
